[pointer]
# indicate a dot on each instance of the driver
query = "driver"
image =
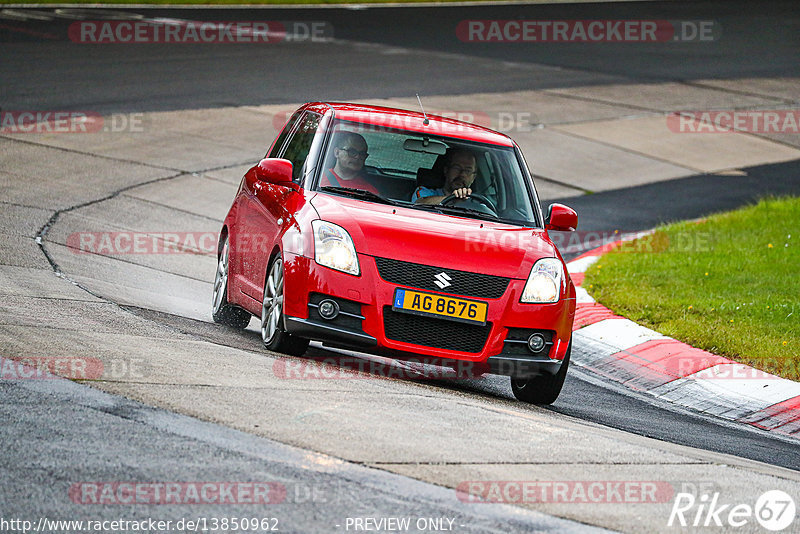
(459, 173)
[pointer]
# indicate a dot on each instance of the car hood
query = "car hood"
(431, 238)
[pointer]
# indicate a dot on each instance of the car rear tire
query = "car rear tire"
(221, 310)
(541, 389)
(272, 333)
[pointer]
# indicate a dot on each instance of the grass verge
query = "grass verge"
(729, 284)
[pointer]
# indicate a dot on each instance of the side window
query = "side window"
(300, 143)
(278, 144)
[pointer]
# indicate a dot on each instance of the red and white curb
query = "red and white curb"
(645, 361)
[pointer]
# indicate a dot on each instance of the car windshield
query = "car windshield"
(405, 168)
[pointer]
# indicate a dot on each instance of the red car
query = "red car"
(400, 234)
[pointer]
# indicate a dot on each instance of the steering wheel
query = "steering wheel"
(449, 199)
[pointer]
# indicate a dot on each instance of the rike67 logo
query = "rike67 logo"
(774, 510)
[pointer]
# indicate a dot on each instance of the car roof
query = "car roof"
(404, 119)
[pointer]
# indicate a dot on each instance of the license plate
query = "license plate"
(468, 311)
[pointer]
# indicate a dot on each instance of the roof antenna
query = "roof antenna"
(426, 121)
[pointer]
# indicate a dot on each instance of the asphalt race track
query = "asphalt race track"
(195, 402)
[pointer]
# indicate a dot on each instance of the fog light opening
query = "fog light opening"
(328, 309)
(536, 343)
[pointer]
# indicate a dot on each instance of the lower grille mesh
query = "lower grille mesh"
(436, 333)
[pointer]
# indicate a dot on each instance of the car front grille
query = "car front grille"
(425, 277)
(433, 332)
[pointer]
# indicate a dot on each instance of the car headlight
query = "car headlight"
(333, 247)
(544, 282)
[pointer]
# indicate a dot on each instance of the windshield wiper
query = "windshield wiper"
(363, 194)
(397, 171)
(456, 210)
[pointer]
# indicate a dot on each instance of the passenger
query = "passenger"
(350, 151)
(459, 173)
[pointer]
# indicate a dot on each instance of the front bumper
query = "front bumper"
(321, 331)
(371, 325)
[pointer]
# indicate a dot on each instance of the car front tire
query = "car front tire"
(221, 310)
(541, 389)
(272, 333)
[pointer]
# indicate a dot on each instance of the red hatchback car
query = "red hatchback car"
(400, 234)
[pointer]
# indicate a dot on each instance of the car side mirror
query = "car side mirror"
(561, 218)
(275, 171)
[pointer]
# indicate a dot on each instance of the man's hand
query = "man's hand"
(462, 192)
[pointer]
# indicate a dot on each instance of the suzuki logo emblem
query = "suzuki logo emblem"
(442, 280)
